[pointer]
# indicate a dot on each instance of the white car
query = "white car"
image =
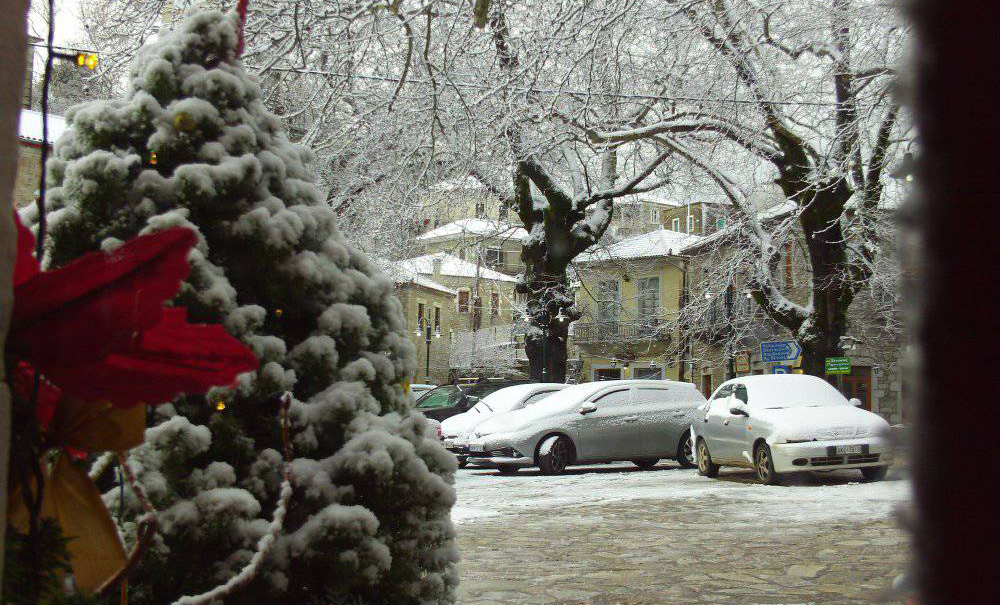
(457, 429)
(785, 423)
(592, 423)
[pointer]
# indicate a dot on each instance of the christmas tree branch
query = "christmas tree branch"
(267, 541)
(148, 523)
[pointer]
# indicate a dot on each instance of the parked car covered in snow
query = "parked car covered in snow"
(592, 423)
(457, 429)
(786, 423)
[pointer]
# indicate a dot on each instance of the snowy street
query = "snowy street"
(615, 534)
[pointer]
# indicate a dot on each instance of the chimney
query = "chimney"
(436, 271)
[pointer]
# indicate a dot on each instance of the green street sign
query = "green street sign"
(838, 365)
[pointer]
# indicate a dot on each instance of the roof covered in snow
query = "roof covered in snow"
(29, 127)
(661, 242)
(476, 227)
(451, 266)
(402, 274)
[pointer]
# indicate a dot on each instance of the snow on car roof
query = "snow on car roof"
(789, 389)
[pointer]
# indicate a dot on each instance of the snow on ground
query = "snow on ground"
(809, 498)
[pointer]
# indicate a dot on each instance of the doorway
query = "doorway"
(706, 385)
(858, 384)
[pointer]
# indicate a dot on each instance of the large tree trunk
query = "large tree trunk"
(832, 293)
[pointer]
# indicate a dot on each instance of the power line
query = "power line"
(556, 91)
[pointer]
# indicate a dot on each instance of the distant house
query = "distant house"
(29, 153)
(493, 244)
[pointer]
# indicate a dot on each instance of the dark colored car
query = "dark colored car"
(451, 399)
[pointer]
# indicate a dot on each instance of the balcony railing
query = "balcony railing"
(620, 331)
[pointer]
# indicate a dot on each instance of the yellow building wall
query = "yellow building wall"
(637, 352)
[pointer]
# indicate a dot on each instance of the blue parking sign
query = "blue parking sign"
(781, 370)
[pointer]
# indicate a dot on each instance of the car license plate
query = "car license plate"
(850, 449)
(449, 443)
(476, 447)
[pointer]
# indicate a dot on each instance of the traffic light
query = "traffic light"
(88, 60)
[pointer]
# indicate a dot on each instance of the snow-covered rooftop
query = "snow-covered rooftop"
(479, 227)
(451, 266)
(29, 127)
(661, 242)
(402, 273)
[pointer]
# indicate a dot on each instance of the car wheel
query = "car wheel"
(463, 462)
(685, 451)
(764, 466)
(646, 463)
(874, 473)
(507, 469)
(706, 467)
(553, 456)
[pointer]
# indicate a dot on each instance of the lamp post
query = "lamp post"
(425, 328)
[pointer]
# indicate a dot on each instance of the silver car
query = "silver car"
(777, 424)
(593, 423)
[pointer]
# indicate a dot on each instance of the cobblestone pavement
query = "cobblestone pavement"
(612, 535)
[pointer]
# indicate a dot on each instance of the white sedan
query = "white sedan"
(778, 424)
(457, 429)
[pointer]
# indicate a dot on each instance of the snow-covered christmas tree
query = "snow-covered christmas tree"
(368, 520)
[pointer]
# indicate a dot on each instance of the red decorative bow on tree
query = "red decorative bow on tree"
(90, 343)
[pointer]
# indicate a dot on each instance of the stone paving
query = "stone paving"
(677, 550)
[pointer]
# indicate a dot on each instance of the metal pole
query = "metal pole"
(427, 370)
(729, 319)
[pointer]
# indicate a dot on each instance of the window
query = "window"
(613, 398)
(654, 215)
(741, 393)
(461, 253)
(690, 223)
(647, 395)
(607, 374)
(648, 374)
(648, 304)
(502, 213)
(675, 224)
(463, 301)
(724, 392)
(420, 315)
(494, 257)
(437, 319)
(537, 396)
(480, 209)
(495, 304)
(609, 300)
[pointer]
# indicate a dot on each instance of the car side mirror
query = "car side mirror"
(855, 402)
(739, 409)
(588, 408)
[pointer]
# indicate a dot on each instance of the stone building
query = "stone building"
(724, 341)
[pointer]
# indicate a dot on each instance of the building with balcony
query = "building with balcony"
(630, 293)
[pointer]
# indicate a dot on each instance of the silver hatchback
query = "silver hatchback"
(593, 423)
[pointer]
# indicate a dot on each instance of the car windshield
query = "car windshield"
(501, 400)
(440, 397)
(770, 395)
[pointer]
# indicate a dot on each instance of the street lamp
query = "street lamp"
(425, 328)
